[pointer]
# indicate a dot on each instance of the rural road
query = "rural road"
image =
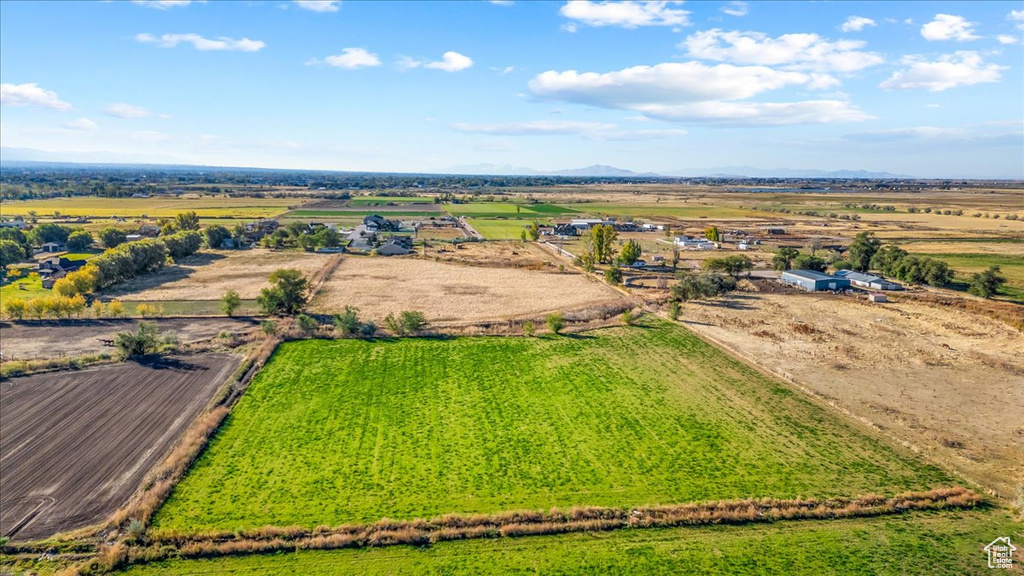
(469, 229)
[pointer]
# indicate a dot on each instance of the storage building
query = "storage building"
(814, 281)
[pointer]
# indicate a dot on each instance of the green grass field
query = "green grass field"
(342, 431)
(360, 213)
(926, 544)
(503, 228)
(508, 210)
(377, 200)
(664, 210)
(154, 207)
(25, 287)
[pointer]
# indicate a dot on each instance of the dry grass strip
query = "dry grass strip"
(166, 543)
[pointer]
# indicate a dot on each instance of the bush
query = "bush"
(230, 302)
(529, 329)
(307, 323)
(367, 329)
(137, 344)
(111, 237)
(613, 275)
(269, 327)
(347, 323)
(674, 310)
(287, 295)
(555, 322)
(693, 286)
(987, 283)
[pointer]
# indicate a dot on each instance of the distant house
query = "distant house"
(254, 231)
(378, 223)
(18, 223)
(54, 269)
(814, 281)
(132, 237)
(581, 224)
(53, 247)
(396, 246)
(868, 280)
(689, 243)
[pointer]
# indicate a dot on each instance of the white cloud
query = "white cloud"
(692, 91)
(1007, 39)
(1018, 17)
(992, 134)
(963, 68)
(31, 95)
(536, 128)
(449, 62)
(949, 27)
(162, 4)
(200, 43)
(628, 14)
(319, 5)
(795, 51)
(503, 71)
(122, 110)
(83, 124)
(735, 8)
(589, 130)
(352, 58)
(856, 24)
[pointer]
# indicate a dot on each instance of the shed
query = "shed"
(52, 247)
(868, 280)
(814, 281)
(877, 297)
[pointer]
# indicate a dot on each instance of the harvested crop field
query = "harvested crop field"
(451, 292)
(209, 274)
(941, 378)
(75, 445)
(27, 340)
(340, 431)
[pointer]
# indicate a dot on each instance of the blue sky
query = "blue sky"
(929, 89)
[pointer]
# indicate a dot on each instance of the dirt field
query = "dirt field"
(451, 292)
(947, 381)
(208, 275)
(54, 339)
(75, 445)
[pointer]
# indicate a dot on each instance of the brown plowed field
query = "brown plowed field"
(75, 445)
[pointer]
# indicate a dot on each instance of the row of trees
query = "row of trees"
(128, 261)
(297, 234)
(895, 262)
(599, 248)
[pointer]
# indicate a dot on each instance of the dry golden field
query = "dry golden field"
(209, 274)
(453, 292)
(947, 381)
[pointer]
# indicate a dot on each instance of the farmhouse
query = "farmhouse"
(18, 223)
(689, 243)
(582, 224)
(52, 247)
(396, 246)
(868, 280)
(814, 281)
(56, 268)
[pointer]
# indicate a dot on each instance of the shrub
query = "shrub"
(307, 323)
(555, 322)
(79, 240)
(288, 294)
(230, 302)
(115, 308)
(15, 308)
(367, 329)
(674, 310)
(269, 327)
(528, 328)
(137, 344)
(111, 237)
(347, 323)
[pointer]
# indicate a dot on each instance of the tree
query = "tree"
(814, 244)
(810, 262)
(555, 322)
(861, 250)
(613, 275)
(287, 295)
(887, 258)
(347, 323)
(987, 283)
(137, 344)
(14, 235)
(14, 308)
(10, 253)
(215, 235)
(602, 240)
(182, 244)
(44, 233)
(630, 252)
(674, 310)
(111, 237)
(186, 221)
(81, 281)
(80, 240)
(230, 302)
(327, 237)
(783, 259)
(731, 265)
(533, 231)
(693, 286)
(713, 234)
(841, 265)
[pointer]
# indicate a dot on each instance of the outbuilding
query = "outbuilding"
(868, 280)
(814, 281)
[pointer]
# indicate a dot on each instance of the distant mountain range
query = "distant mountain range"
(601, 170)
(14, 155)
